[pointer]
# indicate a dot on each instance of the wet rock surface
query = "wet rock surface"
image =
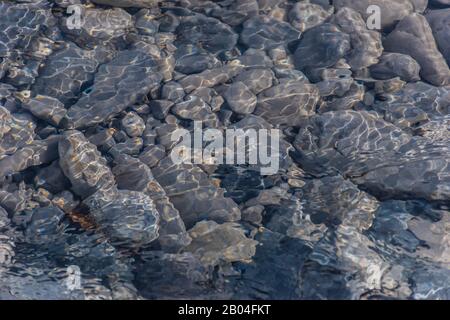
(93, 205)
(392, 12)
(421, 45)
(439, 21)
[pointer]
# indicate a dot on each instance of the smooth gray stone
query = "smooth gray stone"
(393, 65)
(160, 108)
(376, 155)
(257, 80)
(419, 5)
(130, 146)
(208, 33)
(321, 47)
(15, 132)
(196, 63)
(439, 21)
(391, 11)
(117, 85)
(83, 164)
(262, 32)
(240, 99)
(152, 154)
(413, 36)
(215, 243)
(287, 103)
(128, 218)
(211, 77)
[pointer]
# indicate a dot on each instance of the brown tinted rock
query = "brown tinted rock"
(399, 165)
(15, 132)
(321, 47)
(212, 77)
(117, 85)
(46, 108)
(100, 26)
(85, 167)
(133, 125)
(36, 153)
(129, 3)
(263, 32)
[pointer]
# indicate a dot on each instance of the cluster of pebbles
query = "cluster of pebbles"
(360, 206)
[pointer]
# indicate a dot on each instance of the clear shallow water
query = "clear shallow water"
(93, 207)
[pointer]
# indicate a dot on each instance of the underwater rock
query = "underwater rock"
(413, 36)
(439, 21)
(128, 218)
(266, 277)
(114, 89)
(15, 132)
(67, 71)
(35, 154)
(46, 108)
(99, 27)
(191, 192)
(354, 203)
(212, 77)
(83, 164)
(287, 103)
(414, 104)
(399, 165)
(233, 245)
(305, 15)
(189, 275)
(393, 65)
(133, 125)
(208, 33)
(366, 44)
(240, 99)
(321, 47)
(390, 13)
(132, 174)
(262, 32)
(129, 3)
